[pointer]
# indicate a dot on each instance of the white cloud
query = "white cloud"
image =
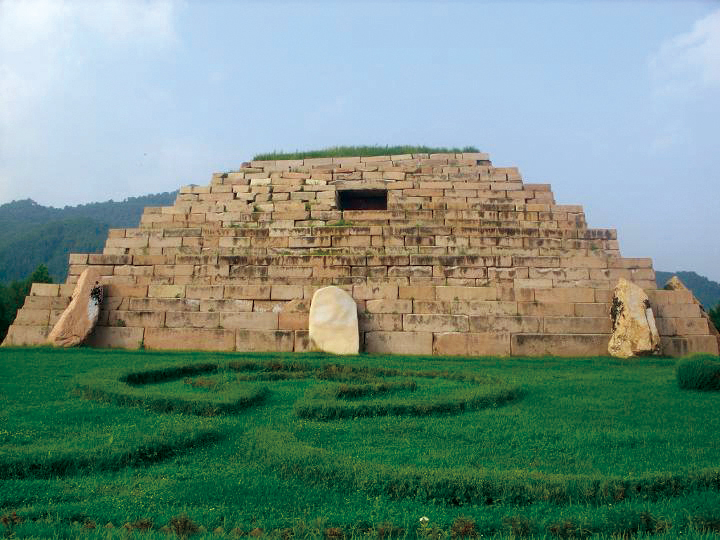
(690, 61)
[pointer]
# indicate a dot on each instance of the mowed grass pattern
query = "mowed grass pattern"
(556, 447)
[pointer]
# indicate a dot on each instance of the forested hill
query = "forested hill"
(32, 234)
(705, 290)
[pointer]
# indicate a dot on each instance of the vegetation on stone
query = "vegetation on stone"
(363, 151)
(586, 451)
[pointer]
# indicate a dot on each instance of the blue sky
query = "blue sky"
(614, 103)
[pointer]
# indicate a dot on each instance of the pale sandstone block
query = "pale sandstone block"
(389, 306)
(683, 346)
(567, 295)
(192, 319)
(578, 325)
(450, 344)
(369, 322)
(231, 306)
(273, 306)
(264, 341)
(286, 292)
(435, 323)
(166, 291)
(190, 338)
(682, 327)
(293, 321)
(44, 289)
(22, 336)
(488, 344)
(634, 327)
(505, 324)
(105, 337)
(559, 344)
(162, 304)
(592, 310)
(205, 292)
(416, 292)
(465, 293)
(398, 342)
(249, 321)
(671, 311)
(32, 317)
(302, 341)
(148, 319)
(373, 291)
(126, 291)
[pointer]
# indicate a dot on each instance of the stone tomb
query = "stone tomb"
(443, 254)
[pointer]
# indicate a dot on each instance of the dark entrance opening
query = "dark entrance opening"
(362, 199)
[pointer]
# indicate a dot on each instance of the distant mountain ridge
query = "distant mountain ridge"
(704, 289)
(34, 234)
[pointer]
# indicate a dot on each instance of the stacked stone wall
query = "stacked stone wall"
(466, 259)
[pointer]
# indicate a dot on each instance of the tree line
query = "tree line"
(12, 296)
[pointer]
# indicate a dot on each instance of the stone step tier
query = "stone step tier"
(466, 259)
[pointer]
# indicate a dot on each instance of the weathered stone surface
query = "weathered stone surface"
(333, 322)
(80, 317)
(634, 330)
(674, 284)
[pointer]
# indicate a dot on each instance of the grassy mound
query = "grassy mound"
(700, 372)
(362, 151)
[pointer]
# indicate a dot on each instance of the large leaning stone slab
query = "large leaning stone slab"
(79, 318)
(333, 321)
(634, 330)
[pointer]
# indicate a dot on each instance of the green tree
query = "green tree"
(715, 316)
(13, 296)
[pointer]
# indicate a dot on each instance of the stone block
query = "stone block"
(292, 321)
(264, 341)
(505, 324)
(488, 344)
(398, 342)
(435, 323)
(204, 292)
(166, 291)
(32, 317)
(22, 336)
(44, 289)
(567, 295)
(683, 346)
(391, 322)
(302, 341)
(286, 292)
(682, 327)
(691, 311)
(247, 292)
(201, 339)
(145, 319)
(192, 319)
(447, 293)
(578, 325)
(249, 321)
(113, 337)
(375, 291)
(389, 306)
(161, 304)
(559, 344)
(592, 310)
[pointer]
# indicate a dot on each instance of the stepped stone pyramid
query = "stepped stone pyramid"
(443, 253)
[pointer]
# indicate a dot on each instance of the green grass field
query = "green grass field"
(318, 446)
